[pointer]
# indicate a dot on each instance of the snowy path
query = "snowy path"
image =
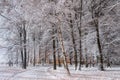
(36, 74)
(47, 73)
(39, 73)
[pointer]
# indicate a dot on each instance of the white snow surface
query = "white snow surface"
(47, 73)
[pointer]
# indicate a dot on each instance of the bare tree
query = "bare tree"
(24, 48)
(54, 48)
(95, 15)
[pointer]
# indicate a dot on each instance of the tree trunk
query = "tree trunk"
(93, 62)
(95, 16)
(86, 61)
(78, 16)
(59, 59)
(96, 22)
(46, 53)
(39, 55)
(25, 53)
(21, 49)
(74, 46)
(54, 51)
(63, 49)
(108, 60)
(34, 60)
(28, 57)
(70, 58)
(79, 28)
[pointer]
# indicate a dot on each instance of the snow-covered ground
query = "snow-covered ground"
(89, 74)
(47, 73)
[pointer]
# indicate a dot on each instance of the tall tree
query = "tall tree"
(62, 46)
(34, 51)
(95, 15)
(73, 42)
(24, 41)
(80, 33)
(54, 48)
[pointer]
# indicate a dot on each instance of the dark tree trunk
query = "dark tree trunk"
(96, 22)
(73, 42)
(34, 51)
(59, 60)
(54, 51)
(21, 48)
(99, 44)
(108, 60)
(25, 52)
(86, 61)
(70, 58)
(95, 16)
(54, 55)
(78, 16)
(79, 28)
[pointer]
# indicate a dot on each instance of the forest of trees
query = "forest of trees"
(61, 32)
